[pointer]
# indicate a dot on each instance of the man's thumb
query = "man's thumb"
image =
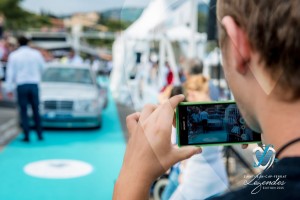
(184, 153)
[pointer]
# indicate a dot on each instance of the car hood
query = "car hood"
(67, 91)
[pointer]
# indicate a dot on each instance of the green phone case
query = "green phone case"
(203, 145)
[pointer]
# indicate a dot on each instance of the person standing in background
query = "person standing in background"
(96, 65)
(195, 67)
(204, 120)
(175, 170)
(24, 69)
(73, 58)
(2, 53)
(202, 175)
(168, 76)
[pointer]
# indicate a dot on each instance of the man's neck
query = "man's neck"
(280, 122)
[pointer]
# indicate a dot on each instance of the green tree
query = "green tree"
(114, 25)
(202, 22)
(18, 19)
(105, 43)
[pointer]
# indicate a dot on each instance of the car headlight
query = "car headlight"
(85, 105)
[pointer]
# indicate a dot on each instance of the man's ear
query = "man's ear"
(238, 43)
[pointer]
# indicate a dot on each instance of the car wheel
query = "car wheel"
(99, 125)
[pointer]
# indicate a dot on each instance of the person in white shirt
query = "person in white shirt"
(2, 53)
(74, 58)
(96, 65)
(202, 175)
(204, 120)
(24, 69)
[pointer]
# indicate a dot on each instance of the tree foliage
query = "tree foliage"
(202, 22)
(105, 43)
(114, 25)
(18, 19)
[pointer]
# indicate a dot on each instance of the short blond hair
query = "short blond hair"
(198, 83)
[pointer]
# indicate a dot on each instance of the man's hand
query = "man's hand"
(149, 151)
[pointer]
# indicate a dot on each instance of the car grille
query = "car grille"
(59, 105)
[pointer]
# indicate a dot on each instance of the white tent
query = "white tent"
(152, 16)
(183, 33)
(153, 25)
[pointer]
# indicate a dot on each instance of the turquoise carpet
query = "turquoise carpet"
(103, 149)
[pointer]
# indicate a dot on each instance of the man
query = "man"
(195, 67)
(2, 55)
(74, 58)
(260, 47)
(204, 120)
(24, 69)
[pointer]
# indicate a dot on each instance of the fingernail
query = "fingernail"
(198, 151)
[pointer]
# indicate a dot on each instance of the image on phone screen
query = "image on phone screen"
(213, 124)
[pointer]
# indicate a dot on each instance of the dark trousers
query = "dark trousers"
(205, 125)
(28, 94)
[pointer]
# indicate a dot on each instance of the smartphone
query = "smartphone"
(213, 123)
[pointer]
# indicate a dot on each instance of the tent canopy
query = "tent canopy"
(183, 33)
(153, 15)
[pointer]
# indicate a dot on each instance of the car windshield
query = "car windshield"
(67, 75)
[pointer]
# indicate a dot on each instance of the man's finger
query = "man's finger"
(174, 101)
(147, 111)
(132, 121)
(165, 112)
(244, 146)
(184, 153)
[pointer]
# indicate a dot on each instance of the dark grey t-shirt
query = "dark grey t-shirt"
(284, 178)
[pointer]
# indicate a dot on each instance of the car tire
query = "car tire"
(99, 125)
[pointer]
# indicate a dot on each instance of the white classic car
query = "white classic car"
(71, 97)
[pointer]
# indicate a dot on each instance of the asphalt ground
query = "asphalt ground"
(8, 124)
(101, 149)
(99, 152)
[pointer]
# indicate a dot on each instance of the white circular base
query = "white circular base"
(58, 169)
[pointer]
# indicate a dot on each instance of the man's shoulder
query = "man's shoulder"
(22, 50)
(262, 192)
(35, 51)
(279, 182)
(13, 54)
(21, 54)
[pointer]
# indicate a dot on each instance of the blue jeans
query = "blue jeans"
(28, 94)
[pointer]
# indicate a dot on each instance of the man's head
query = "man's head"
(261, 51)
(197, 88)
(193, 67)
(72, 53)
(23, 41)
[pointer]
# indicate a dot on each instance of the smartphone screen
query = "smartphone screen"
(212, 124)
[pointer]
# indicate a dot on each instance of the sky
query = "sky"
(69, 6)
(60, 7)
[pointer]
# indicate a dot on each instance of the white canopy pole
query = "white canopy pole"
(117, 75)
(162, 61)
(194, 29)
(76, 33)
